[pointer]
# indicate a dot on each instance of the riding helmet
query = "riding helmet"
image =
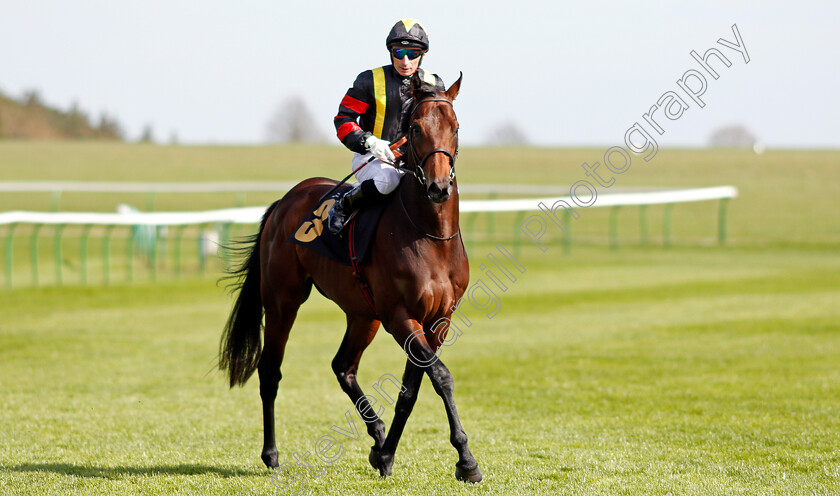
(407, 33)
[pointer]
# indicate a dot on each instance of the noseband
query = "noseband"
(418, 162)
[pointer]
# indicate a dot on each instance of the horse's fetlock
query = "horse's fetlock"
(458, 438)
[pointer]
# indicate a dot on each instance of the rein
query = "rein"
(424, 233)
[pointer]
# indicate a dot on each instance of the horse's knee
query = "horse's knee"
(408, 395)
(406, 401)
(345, 379)
(336, 367)
(442, 379)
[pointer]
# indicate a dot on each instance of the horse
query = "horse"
(418, 272)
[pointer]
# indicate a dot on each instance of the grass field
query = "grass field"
(695, 369)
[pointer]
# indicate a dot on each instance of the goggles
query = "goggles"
(411, 53)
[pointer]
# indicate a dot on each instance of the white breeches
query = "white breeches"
(385, 177)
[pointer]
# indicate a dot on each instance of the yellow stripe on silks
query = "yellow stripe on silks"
(429, 78)
(381, 97)
(408, 23)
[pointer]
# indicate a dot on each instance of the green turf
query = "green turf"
(690, 370)
(694, 371)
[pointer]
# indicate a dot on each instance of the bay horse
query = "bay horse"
(417, 273)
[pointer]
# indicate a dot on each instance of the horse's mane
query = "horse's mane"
(426, 91)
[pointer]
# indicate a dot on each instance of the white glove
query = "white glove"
(379, 148)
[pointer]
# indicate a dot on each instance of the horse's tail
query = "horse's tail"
(239, 349)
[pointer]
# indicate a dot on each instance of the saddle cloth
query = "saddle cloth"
(313, 233)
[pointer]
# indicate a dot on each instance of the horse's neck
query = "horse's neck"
(435, 219)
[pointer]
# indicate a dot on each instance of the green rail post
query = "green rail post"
(106, 255)
(83, 251)
(614, 227)
(59, 228)
(55, 200)
(129, 254)
(224, 243)
(517, 233)
(153, 253)
(666, 225)
(722, 221)
(33, 246)
(567, 234)
(643, 224)
(176, 250)
(160, 234)
(9, 253)
(491, 219)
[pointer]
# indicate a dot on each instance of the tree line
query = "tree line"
(28, 117)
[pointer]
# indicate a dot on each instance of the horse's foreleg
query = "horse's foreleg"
(422, 358)
(360, 333)
(412, 378)
(467, 468)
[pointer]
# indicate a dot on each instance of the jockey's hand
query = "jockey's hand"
(380, 149)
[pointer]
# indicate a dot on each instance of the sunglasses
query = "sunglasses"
(411, 53)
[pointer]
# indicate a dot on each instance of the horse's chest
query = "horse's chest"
(423, 287)
(431, 295)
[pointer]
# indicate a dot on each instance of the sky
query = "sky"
(566, 74)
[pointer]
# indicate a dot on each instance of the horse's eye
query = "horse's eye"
(415, 130)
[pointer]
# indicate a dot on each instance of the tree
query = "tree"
(76, 124)
(148, 135)
(109, 127)
(507, 134)
(736, 136)
(32, 98)
(293, 123)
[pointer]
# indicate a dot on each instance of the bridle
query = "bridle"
(415, 157)
(418, 167)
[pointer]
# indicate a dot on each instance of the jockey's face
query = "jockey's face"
(405, 66)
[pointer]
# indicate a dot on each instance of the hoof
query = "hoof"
(381, 462)
(269, 457)
(472, 474)
(373, 458)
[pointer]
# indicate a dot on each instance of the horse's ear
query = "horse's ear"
(453, 90)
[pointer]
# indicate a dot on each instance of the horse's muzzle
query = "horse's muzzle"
(440, 194)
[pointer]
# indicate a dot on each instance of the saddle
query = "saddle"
(361, 226)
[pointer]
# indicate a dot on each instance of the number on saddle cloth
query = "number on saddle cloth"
(312, 232)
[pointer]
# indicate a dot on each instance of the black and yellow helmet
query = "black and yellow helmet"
(407, 33)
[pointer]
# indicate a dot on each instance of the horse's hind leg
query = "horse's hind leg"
(279, 316)
(359, 334)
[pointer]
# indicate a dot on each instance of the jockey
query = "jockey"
(374, 113)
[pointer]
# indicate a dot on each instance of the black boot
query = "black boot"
(360, 195)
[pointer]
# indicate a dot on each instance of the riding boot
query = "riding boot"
(362, 194)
